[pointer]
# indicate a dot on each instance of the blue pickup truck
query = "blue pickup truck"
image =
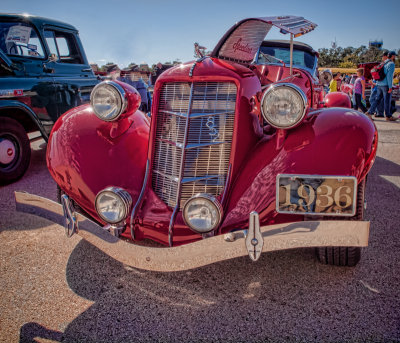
(43, 73)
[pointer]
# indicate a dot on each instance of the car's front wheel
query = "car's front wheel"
(15, 150)
(345, 256)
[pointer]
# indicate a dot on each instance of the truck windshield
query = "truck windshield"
(20, 39)
(301, 59)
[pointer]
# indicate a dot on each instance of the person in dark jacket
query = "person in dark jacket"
(158, 70)
(385, 88)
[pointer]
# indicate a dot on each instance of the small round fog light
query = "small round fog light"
(202, 213)
(113, 204)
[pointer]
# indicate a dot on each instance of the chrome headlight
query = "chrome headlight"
(202, 213)
(113, 204)
(283, 105)
(108, 100)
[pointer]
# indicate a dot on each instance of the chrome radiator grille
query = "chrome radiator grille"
(193, 139)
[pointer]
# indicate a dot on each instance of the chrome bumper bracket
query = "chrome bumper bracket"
(254, 239)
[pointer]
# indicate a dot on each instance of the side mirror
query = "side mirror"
(53, 58)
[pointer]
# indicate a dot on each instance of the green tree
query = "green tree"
(347, 64)
(349, 57)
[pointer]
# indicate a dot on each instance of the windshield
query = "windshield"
(301, 59)
(20, 39)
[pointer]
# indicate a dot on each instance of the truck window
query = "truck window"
(20, 39)
(63, 46)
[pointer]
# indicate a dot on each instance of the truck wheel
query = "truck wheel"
(345, 256)
(15, 150)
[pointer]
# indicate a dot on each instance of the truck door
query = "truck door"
(73, 77)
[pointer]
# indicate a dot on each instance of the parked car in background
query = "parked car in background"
(43, 73)
(244, 153)
(347, 85)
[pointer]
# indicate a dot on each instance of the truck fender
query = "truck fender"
(28, 113)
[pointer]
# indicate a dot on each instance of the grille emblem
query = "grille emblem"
(214, 134)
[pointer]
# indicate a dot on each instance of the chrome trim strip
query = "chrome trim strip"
(227, 181)
(178, 114)
(198, 178)
(201, 59)
(178, 145)
(185, 140)
(169, 177)
(134, 210)
(171, 226)
(195, 115)
(181, 170)
(199, 115)
(193, 146)
(205, 251)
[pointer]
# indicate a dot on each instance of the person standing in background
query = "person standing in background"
(333, 86)
(379, 108)
(359, 91)
(384, 88)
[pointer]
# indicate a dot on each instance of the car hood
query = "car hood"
(242, 40)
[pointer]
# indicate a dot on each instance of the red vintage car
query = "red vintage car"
(242, 154)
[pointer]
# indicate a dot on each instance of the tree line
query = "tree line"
(350, 57)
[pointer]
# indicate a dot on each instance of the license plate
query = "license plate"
(316, 195)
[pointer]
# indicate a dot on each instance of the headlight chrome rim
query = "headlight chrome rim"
(213, 201)
(302, 96)
(121, 95)
(124, 197)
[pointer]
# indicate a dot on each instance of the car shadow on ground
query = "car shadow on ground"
(37, 174)
(277, 298)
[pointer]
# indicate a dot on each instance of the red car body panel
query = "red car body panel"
(101, 154)
(337, 99)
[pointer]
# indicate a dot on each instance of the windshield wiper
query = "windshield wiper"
(271, 58)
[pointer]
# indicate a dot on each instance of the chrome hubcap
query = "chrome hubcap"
(7, 151)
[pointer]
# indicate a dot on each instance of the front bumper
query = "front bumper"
(207, 251)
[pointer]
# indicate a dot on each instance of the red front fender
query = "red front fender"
(86, 155)
(333, 141)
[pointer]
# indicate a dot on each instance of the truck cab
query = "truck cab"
(43, 73)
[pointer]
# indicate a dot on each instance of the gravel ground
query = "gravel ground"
(58, 289)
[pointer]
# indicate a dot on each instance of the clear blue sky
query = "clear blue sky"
(124, 31)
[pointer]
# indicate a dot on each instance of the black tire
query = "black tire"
(13, 138)
(345, 256)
